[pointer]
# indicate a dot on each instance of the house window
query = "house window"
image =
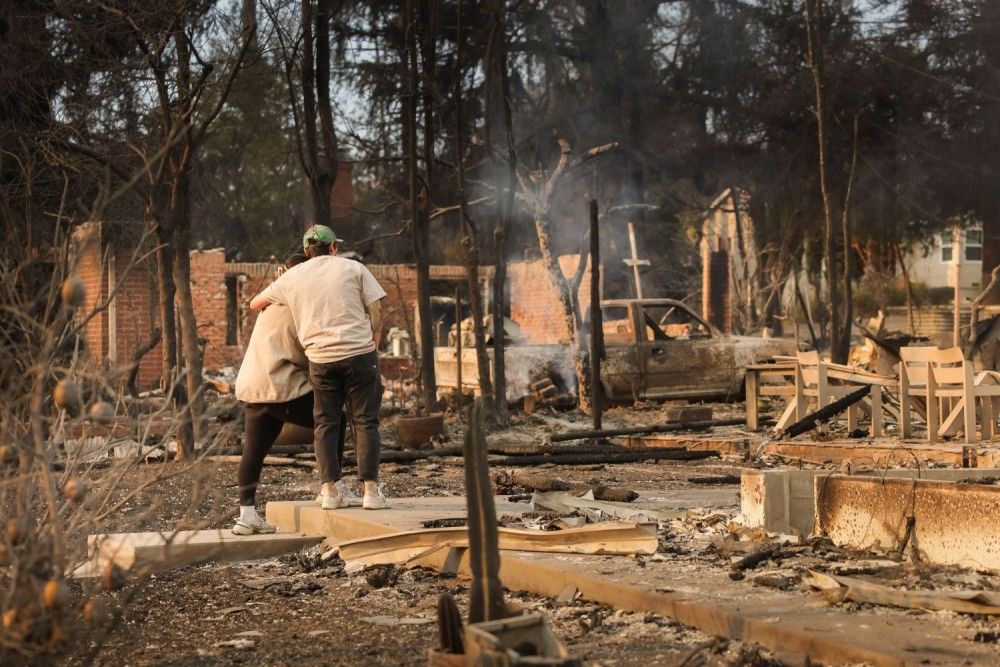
(233, 309)
(974, 244)
(946, 247)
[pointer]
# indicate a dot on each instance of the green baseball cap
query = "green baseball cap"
(319, 235)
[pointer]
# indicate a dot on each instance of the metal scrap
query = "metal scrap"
(837, 588)
(566, 503)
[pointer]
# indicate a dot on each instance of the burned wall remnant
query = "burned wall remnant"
(728, 262)
(107, 258)
(534, 300)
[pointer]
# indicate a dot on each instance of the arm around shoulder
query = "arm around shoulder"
(259, 302)
(273, 293)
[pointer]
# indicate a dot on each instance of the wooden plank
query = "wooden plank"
(723, 445)
(878, 452)
(609, 537)
(168, 550)
(751, 383)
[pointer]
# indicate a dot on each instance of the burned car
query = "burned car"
(659, 348)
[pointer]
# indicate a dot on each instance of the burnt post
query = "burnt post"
(486, 601)
(458, 346)
(596, 320)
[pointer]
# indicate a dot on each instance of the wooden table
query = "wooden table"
(778, 379)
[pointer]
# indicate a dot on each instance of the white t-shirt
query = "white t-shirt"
(327, 297)
(274, 366)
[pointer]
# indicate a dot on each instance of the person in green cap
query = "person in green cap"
(335, 305)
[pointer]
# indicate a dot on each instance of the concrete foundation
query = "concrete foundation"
(949, 523)
(784, 501)
(704, 598)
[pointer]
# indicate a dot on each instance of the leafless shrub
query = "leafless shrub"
(73, 452)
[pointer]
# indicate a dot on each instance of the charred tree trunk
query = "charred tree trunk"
(470, 237)
(845, 225)
(189, 348)
(840, 328)
(168, 324)
(911, 300)
(570, 309)
(497, 72)
(319, 182)
(418, 221)
(179, 169)
(539, 192)
(328, 163)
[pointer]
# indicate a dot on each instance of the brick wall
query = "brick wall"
(534, 299)
(400, 284)
(88, 239)
(103, 260)
(209, 294)
(135, 316)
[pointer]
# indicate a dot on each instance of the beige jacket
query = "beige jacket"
(274, 368)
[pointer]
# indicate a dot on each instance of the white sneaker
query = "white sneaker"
(253, 527)
(375, 500)
(345, 497)
(353, 499)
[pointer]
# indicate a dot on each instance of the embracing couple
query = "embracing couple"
(313, 347)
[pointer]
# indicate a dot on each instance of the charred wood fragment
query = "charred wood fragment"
(826, 413)
(640, 430)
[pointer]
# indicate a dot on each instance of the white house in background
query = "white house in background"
(956, 254)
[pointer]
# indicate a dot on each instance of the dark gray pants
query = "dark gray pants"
(358, 381)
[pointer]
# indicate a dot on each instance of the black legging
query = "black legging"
(263, 424)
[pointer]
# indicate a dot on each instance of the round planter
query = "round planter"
(414, 432)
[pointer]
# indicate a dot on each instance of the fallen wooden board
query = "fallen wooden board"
(564, 503)
(630, 456)
(268, 460)
(825, 413)
(168, 550)
(608, 538)
(705, 599)
(848, 588)
(721, 444)
(880, 452)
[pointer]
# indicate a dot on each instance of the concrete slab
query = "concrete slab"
(701, 597)
(784, 501)
(952, 524)
(164, 551)
(881, 452)
(353, 523)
